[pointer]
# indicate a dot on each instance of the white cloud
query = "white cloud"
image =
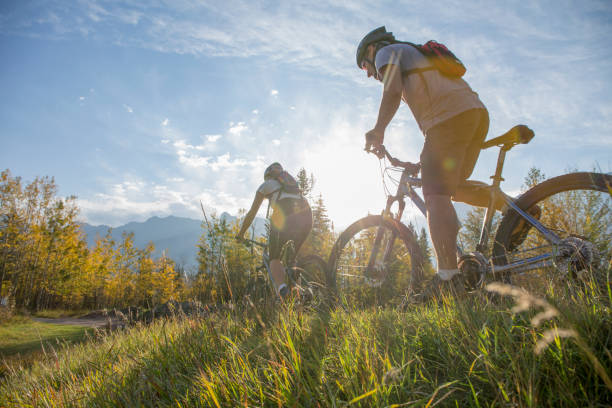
(276, 142)
(128, 108)
(181, 198)
(225, 162)
(192, 160)
(95, 12)
(274, 92)
(165, 122)
(255, 112)
(237, 128)
(213, 138)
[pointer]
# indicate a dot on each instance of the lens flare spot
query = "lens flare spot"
(449, 164)
(278, 219)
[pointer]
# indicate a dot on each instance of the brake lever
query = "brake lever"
(377, 151)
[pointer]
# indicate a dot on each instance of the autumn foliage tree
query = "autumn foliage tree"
(45, 261)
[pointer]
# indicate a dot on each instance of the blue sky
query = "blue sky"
(147, 108)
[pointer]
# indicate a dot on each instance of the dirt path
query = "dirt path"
(86, 322)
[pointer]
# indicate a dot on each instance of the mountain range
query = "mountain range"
(177, 236)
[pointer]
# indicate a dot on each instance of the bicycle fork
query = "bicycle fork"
(372, 270)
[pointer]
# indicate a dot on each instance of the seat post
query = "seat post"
(494, 191)
(497, 177)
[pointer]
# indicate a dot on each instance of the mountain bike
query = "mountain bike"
(306, 275)
(377, 247)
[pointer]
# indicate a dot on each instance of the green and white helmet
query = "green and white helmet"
(374, 36)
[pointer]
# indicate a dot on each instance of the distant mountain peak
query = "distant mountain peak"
(177, 236)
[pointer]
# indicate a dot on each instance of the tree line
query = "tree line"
(45, 261)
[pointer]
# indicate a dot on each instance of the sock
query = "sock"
(447, 274)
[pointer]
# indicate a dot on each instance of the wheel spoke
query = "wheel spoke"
(364, 278)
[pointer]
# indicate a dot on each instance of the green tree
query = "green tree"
(223, 263)
(471, 226)
(423, 242)
(321, 237)
(534, 176)
(305, 183)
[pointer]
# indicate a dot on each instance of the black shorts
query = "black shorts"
(451, 150)
(291, 223)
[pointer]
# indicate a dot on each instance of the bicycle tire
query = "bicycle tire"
(312, 278)
(405, 244)
(567, 188)
(313, 269)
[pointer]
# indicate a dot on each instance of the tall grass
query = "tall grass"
(472, 352)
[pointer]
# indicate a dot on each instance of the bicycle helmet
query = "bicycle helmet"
(273, 171)
(374, 36)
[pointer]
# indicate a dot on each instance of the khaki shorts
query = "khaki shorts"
(451, 150)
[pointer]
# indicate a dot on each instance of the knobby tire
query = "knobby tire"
(405, 243)
(552, 192)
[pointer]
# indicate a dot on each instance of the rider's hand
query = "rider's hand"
(374, 139)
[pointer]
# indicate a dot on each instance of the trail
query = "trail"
(86, 322)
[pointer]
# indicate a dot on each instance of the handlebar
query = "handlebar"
(381, 151)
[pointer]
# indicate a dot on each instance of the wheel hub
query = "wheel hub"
(574, 255)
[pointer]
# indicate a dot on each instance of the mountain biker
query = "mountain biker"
(291, 219)
(455, 123)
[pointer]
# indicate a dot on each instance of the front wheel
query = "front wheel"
(577, 208)
(365, 276)
(310, 275)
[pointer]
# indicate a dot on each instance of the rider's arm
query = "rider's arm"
(391, 98)
(250, 216)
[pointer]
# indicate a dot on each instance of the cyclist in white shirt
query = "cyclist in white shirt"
(291, 219)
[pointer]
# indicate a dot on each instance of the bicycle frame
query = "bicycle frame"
(265, 256)
(406, 188)
(266, 262)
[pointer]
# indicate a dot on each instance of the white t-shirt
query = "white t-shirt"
(271, 189)
(431, 96)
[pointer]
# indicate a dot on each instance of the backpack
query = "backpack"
(440, 57)
(288, 183)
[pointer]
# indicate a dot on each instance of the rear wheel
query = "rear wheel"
(312, 272)
(363, 280)
(577, 208)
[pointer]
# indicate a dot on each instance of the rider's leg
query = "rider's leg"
(475, 193)
(469, 191)
(287, 237)
(443, 227)
(448, 158)
(277, 270)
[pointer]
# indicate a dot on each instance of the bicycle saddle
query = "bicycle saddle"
(520, 134)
